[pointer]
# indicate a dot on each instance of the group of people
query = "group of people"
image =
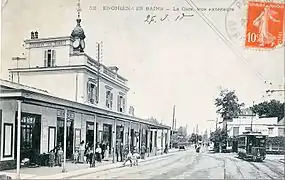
(56, 156)
(85, 153)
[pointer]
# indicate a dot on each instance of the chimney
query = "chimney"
(132, 111)
(114, 68)
(36, 35)
(32, 35)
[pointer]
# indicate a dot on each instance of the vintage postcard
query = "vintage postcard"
(172, 89)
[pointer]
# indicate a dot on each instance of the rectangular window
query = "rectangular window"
(109, 99)
(247, 128)
(121, 103)
(280, 131)
(91, 92)
(49, 58)
(235, 131)
(270, 130)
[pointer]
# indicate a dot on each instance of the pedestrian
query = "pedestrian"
(92, 157)
(87, 154)
(135, 157)
(166, 149)
(121, 148)
(117, 150)
(106, 153)
(51, 160)
(103, 148)
(128, 158)
(143, 151)
(75, 156)
(98, 153)
(81, 152)
(60, 156)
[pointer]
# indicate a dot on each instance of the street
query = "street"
(191, 165)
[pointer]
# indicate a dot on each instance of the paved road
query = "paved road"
(192, 165)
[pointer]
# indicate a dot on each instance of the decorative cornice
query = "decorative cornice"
(48, 39)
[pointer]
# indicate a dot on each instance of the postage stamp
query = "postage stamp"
(265, 25)
(245, 33)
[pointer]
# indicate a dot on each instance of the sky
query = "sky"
(182, 63)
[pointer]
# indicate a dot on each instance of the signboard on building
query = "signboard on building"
(48, 44)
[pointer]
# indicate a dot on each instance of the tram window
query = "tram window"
(260, 142)
(241, 142)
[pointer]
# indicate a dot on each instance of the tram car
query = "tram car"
(252, 146)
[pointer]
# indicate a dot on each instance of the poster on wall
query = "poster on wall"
(51, 138)
(77, 137)
(8, 140)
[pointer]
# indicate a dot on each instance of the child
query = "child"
(60, 156)
(51, 158)
(128, 158)
(75, 156)
(135, 158)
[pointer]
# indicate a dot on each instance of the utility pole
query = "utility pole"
(173, 118)
(18, 59)
(99, 55)
(251, 117)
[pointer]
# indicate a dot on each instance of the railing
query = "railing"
(106, 71)
(109, 73)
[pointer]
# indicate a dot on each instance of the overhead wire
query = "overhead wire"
(225, 40)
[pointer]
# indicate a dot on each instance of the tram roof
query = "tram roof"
(252, 134)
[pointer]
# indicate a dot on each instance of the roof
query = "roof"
(249, 133)
(30, 95)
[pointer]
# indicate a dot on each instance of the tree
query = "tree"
(269, 109)
(228, 104)
(219, 137)
(154, 120)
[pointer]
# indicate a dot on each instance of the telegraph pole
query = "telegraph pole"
(18, 59)
(173, 119)
(251, 117)
(99, 55)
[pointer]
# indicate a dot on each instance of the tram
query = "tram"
(252, 146)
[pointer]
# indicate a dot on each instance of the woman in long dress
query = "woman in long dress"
(106, 153)
(81, 152)
(261, 22)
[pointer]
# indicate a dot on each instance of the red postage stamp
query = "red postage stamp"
(265, 25)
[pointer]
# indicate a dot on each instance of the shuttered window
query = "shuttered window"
(49, 58)
(109, 99)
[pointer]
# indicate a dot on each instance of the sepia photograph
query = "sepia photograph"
(166, 89)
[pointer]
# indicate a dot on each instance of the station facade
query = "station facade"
(56, 81)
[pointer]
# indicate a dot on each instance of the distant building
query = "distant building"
(267, 126)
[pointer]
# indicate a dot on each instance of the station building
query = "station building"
(58, 80)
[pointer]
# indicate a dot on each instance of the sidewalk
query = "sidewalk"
(74, 170)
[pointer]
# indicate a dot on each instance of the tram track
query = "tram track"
(274, 170)
(260, 170)
(238, 168)
(144, 171)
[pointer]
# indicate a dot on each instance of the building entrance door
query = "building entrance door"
(30, 136)
(69, 135)
(90, 132)
(107, 135)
